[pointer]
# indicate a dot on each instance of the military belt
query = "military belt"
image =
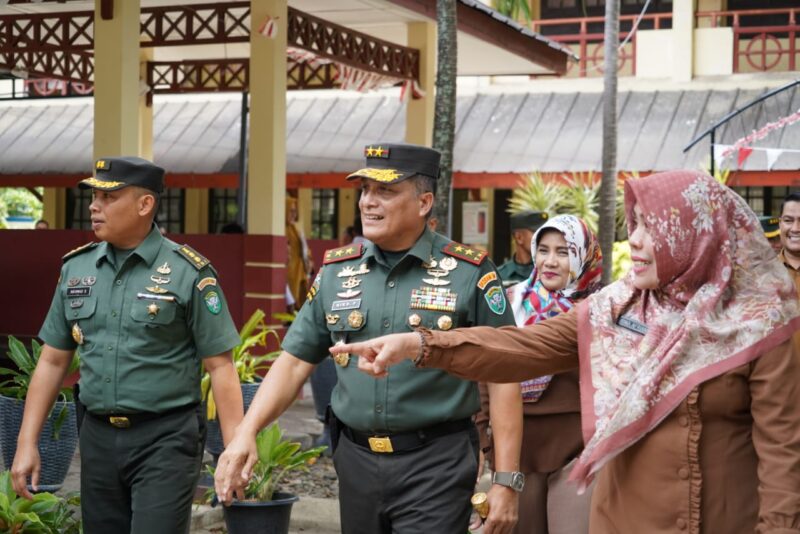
(404, 441)
(127, 420)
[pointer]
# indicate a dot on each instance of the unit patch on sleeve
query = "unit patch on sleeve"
(463, 252)
(343, 253)
(197, 260)
(496, 299)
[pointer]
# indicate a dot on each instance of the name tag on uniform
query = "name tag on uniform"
(632, 325)
(79, 291)
(350, 304)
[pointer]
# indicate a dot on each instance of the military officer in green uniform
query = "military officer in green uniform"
(143, 312)
(523, 225)
(407, 447)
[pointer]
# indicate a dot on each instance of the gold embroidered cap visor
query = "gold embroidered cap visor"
(389, 163)
(384, 176)
(115, 173)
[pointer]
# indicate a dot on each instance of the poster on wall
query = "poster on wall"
(475, 223)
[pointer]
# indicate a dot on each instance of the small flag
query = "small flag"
(268, 28)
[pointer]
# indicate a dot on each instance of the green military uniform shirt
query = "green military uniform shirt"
(142, 327)
(512, 272)
(438, 284)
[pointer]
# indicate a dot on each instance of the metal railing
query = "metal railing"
(585, 36)
(759, 48)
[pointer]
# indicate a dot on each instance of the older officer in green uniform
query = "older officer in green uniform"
(407, 447)
(143, 312)
(523, 225)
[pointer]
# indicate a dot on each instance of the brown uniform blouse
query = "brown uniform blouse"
(726, 461)
(795, 274)
(551, 427)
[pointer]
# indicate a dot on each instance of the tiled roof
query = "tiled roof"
(496, 132)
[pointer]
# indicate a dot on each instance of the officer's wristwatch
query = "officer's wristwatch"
(514, 480)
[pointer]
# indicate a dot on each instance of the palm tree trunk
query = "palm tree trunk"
(608, 182)
(444, 123)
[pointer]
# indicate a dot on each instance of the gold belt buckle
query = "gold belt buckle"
(381, 445)
(119, 422)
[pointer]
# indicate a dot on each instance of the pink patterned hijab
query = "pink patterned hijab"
(724, 299)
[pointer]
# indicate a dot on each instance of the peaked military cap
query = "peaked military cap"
(770, 225)
(391, 163)
(530, 220)
(115, 173)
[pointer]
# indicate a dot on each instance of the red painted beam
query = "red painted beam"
(334, 180)
(201, 181)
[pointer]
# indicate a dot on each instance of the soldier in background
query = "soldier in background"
(519, 267)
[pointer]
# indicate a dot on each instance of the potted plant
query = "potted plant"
(249, 367)
(45, 513)
(59, 435)
(264, 509)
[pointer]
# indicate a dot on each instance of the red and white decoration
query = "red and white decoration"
(743, 149)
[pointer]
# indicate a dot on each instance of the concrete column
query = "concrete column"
(346, 213)
(145, 110)
(116, 80)
(683, 22)
(419, 113)
(195, 217)
(305, 203)
(54, 207)
(265, 245)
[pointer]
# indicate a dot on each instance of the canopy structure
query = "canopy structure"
(201, 46)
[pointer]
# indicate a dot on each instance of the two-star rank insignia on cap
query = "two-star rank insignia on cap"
(376, 152)
(343, 253)
(463, 252)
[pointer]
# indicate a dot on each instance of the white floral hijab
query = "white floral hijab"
(724, 299)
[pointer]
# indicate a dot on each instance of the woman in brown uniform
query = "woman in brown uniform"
(567, 268)
(690, 399)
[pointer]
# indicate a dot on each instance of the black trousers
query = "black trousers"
(426, 490)
(141, 479)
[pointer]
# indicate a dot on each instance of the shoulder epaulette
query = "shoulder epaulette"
(197, 260)
(463, 252)
(80, 250)
(347, 252)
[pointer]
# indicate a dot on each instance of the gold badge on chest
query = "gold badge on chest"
(343, 358)
(77, 334)
(355, 319)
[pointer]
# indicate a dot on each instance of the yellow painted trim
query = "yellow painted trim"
(264, 265)
(264, 296)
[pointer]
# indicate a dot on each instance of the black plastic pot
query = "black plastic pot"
(56, 454)
(214, 444)
(252, 517)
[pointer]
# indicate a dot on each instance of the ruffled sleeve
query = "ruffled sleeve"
(775, 406)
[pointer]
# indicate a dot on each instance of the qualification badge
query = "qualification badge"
(414, 319)
(77, 334)
(341, 359)
(355, 319)
(153, 309)
(444, 322)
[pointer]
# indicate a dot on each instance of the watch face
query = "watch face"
(517, 481)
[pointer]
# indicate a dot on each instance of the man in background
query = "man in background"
(523, 225)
